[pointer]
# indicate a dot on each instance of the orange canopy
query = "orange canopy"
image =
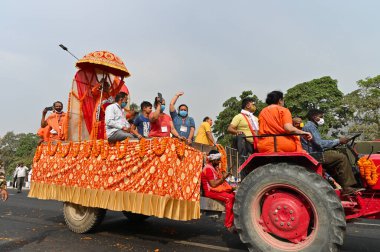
(104, 60)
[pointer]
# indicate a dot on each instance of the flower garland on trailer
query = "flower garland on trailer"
(122, 153)
(52, 151)
(180, 147)
(368, 170)
(65, 150)
(143, 147)
(87, 149)
(38, 153)
(75, 150)
(105, 150)
(159, 147)
(223, 159)
(97, 148)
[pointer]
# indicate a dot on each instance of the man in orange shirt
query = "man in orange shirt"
(276, 119)
(53, 128)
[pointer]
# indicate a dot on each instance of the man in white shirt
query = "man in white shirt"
(21, 172)
(117, 125)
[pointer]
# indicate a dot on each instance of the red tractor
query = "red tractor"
(285, 203)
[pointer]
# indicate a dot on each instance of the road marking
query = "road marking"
(366, 224)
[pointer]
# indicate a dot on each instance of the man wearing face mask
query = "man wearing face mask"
(117, 125)
(335, 163)
(183, 123)
(53, 127)
(245, 124)
(161, 124)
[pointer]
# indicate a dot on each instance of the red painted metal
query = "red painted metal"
(365, 205)
(285, 216)
(302, 229)
(295, 157)
(376, 159)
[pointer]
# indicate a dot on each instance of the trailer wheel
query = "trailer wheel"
(81, 219)
(134, 217)
(285, 207)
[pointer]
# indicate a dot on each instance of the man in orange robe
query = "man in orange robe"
(53, 127)
(275, 119)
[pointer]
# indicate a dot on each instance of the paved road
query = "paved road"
(36, 225)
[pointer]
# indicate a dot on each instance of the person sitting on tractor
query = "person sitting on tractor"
(215, 186)
(53, 128)
(204, 134)
(275, 119)
(335, 163)
(117, 126)
(161, 124)
(245, 125)
(297, 122)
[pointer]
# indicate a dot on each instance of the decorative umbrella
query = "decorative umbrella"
(104, 60)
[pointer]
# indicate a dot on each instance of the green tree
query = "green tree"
(232, 107)
(17, 148)
(363, 106)
(323, 94)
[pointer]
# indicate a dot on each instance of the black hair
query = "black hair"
(313, 112)
(245, 102)
(187, 108)
(120, 96)
(145, 104)
(58, 102)
(274, 97)
(213, 152)
(206, 118)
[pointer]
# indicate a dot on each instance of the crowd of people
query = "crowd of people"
(251, 134)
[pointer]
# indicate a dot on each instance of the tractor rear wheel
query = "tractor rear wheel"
(285, 207)
(81, 219)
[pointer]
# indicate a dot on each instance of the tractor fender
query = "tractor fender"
(299, 158)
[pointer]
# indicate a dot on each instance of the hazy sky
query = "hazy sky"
(211, 50)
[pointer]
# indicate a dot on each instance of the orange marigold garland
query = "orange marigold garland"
(38, 153)
(180, 147)
(143, 147)
(368, 170)
(159, 147)
(105, 150)
(75, 150)
(87, 149)
(53, 150)
(65, 150)
(97, 148)
(122, 153)
(223, 160)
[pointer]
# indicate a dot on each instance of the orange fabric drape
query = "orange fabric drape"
(55, 122)
(272, 120)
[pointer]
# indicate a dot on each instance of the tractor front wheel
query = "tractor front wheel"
(81, 219)
(285, 207)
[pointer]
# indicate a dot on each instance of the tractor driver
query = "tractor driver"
(336, 163)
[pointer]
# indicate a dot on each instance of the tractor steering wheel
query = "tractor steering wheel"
(350, 139)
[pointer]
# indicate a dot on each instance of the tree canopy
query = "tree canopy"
(17, 148)
(232, 107)
(363, 107)
(323, 94)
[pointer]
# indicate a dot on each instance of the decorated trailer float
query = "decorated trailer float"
(284, 202)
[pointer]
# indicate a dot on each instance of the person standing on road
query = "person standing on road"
(3, 183)
(15, 176)
(21, 174)
(183, 123)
